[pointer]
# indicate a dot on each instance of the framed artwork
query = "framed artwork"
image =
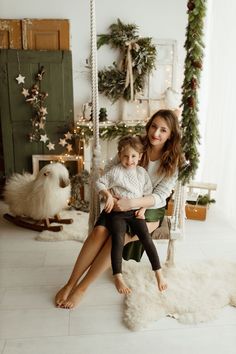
(73, 163)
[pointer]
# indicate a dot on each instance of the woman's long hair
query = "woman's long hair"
(172, 156)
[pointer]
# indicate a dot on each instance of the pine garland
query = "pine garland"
(109, 132)
(193, 65)
(112, 80)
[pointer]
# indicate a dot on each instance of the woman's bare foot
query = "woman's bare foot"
(62, 295)
(73, 299)
(161, 282)
(120, 284)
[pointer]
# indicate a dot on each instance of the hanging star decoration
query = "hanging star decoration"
(25, 92)
(36, 98)
(68, 136)
(62, 142)
(69, 147)
(51, 146)
(44, 138)
(41, 125)
(20, 79)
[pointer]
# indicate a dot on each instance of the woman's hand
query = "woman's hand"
(123, 204)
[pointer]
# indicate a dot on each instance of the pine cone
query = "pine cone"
(197, 64)
(193, 84)
(191, 5)
(191, 102)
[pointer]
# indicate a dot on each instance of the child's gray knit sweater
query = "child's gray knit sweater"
(161, 186)
(125, 182)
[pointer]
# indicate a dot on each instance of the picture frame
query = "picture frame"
(36, 159)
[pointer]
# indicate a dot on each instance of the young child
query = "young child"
(128, 180)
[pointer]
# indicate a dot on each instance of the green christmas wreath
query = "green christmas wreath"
(138, 56)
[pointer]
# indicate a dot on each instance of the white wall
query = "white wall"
(219, 165)
(164, 19)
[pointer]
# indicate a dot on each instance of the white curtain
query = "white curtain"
(218, 105)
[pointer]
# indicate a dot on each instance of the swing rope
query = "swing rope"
(96, 155)
(178, 211)
(177, 220)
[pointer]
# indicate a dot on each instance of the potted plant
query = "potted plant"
(194, 209)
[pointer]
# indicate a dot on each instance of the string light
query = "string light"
(109, 131)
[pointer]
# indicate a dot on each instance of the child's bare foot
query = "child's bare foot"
(161, 282)
(73, 299)
(62, 295)
(120, 284)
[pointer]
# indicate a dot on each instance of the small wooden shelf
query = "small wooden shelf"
(202, 185)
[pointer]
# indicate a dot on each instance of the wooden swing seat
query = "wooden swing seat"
(163, 233)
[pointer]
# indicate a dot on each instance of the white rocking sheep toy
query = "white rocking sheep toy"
(37, 201)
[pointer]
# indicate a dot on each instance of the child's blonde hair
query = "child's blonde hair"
(132, 141)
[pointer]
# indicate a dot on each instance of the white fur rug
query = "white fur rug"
(77, 231)
(195, 292)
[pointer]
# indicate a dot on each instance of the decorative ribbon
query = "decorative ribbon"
(129, 67)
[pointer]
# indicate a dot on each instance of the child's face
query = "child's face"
(159, 132)
(129, 157)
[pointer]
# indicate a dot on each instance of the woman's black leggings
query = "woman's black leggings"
(118, 222)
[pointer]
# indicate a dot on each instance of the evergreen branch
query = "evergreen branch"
(193, 66)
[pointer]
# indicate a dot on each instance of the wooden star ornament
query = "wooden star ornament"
(68, 136)
(20, 79)
(51, 146)
(69, 147)
(41, 125)
(25, 92)
(43, 111)
(44, 138)
(62, 142)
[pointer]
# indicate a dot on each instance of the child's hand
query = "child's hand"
(109, 204)
(140, 213)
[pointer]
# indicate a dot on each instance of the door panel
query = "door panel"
(10, 34)
(16, 113)
(45, 34)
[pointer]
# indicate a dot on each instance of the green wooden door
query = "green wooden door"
(16, 114)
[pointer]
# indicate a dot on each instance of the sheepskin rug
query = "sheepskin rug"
(77, 231)
(195, 292)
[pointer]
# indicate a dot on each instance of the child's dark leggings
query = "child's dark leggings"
(118, 222)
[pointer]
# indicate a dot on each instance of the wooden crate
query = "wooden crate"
(195, 212)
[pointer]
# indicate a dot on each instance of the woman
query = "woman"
(162, 157)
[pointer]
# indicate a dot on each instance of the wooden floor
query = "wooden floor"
(31, 272)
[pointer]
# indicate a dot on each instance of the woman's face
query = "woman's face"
(158, 132)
